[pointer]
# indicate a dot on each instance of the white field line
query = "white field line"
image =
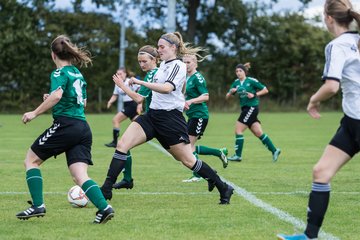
(265, 206)
(297, 223)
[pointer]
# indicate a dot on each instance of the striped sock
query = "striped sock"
(94, 194)
(318, 203)
(239, 143)
(267, 142)
(117, 164)
(206, 172)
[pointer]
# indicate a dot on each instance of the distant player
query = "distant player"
(164, 120)
(197, 112)
(70, 133)
(249, 90)
(148, 58)
(129, 110)
(342, 67)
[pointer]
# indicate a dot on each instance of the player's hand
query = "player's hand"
(118, 80)
(45, 96)
(187, 105)
(28, 116)
(313, 109)
(139, 109)
(134, 80)
(233, 90)
(250, 95)
(108, 104)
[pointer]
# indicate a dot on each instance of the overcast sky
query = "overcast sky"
(281, 5)
(314, 8)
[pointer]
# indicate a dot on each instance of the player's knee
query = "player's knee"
(188, 162)
(122, 146)
(321, 174)
(31, 163)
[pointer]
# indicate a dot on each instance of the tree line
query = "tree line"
(286, 50)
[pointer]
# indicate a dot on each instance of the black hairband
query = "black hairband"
(169, 41)
(242, 67)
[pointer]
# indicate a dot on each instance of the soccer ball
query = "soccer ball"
(76, 197)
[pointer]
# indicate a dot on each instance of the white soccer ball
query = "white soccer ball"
(76, 197)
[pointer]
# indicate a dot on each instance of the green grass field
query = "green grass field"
(269, 199)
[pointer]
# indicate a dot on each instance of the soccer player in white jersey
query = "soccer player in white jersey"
(130, 106)
(342, 68)
(164, 120)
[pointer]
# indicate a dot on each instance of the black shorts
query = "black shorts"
(197, 126)
(248, 115)
(130, 109)
(347, 137)
(69, 135)
(168, 127)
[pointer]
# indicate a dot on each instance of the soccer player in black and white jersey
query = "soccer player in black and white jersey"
(164, 120)
(130, 106)
(342, 68)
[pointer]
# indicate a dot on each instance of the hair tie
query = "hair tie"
(146, 53)
(169, 41)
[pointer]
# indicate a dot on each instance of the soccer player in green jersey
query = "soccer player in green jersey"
(249, 90)
(69, 133)
(148, 58)
(197, 112)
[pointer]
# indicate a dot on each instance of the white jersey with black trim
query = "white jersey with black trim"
(173, 72)
(120, 92)
(343, 65)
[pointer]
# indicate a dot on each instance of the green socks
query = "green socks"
(127, 168)
(94, 194)
(35, 184)
(239, 143)
(267, 142)
(202, 150)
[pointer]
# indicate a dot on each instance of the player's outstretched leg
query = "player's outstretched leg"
(206, 172)
(117, 164)
(105, 211)
(221, 153)
(35, 184)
